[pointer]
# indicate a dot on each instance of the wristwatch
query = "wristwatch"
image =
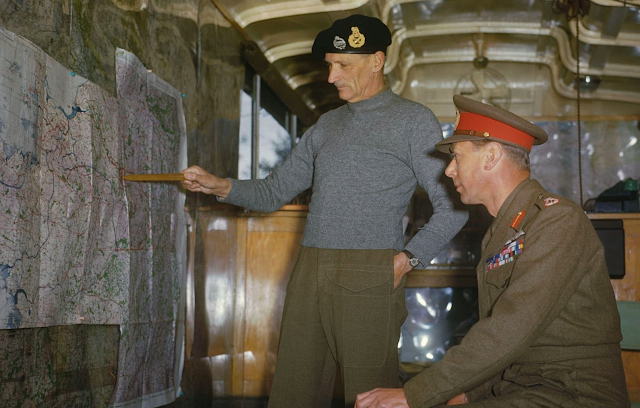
(413, 261)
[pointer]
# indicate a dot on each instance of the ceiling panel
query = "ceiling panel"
(532, 52)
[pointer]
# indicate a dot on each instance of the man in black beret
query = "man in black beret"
(345, 300)
(549, 329)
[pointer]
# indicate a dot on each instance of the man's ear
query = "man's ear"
(493, 152)
(378, 61)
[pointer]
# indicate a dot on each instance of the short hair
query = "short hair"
(517, 156)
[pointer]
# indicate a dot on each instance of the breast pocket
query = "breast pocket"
(499, 277)
(496, 281)
(499, 267)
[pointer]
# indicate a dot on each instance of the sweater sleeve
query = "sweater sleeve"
(536, 294)
(281, 186)
(449, 215)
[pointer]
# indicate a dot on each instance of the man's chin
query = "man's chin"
(468, 201)
(345, 95)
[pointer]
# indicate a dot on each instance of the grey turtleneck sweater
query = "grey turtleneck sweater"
(363, 160)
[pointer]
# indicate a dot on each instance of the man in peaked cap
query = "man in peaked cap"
(549, 329)
(345, 299)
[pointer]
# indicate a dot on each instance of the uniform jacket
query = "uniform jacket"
(544, 296)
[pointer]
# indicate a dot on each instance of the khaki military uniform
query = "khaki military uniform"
(549, 330)
(341, 312)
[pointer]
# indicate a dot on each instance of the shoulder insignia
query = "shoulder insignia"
(517, 219)
(549, 201)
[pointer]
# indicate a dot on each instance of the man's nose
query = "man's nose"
(333, 75)
(450, 171)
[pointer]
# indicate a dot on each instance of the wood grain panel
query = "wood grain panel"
(631, 363)
(293, 223)
(442, 278)
(239, 314)
(270, 259)
(628, 288)
(215, 281)
(254, 388)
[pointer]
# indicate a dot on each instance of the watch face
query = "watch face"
(414, 261)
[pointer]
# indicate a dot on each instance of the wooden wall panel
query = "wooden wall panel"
(239, 313)
(272, 247)
(239, 293)
(628, 288)
(213, 283)
(213, 290)
(190, 298)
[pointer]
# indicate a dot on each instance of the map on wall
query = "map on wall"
(154, 130)
(63, 212)
(77, 246)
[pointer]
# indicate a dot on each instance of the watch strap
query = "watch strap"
(412, 258)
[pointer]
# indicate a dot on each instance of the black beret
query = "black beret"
(356, 34)
(480, 121)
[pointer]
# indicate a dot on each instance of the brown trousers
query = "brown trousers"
(341, 312)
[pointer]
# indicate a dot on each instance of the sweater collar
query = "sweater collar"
(375, 101)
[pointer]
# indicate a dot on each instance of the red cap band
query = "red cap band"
(487, 127)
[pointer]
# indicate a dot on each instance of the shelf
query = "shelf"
(614, 216)
(442, 278)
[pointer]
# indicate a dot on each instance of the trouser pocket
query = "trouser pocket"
(361, 304)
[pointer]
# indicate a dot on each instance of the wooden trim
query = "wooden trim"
(614, 216)
(237, 382)
(295, 207)
(570, 118)
(441, 278)
(217, 207)
(240, 210)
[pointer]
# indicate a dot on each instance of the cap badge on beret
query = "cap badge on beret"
(339, 43)
(356, 39)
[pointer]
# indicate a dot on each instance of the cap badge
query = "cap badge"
(455, 126)
(356, 39)
(339, 43)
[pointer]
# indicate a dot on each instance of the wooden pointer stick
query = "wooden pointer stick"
(155, 177)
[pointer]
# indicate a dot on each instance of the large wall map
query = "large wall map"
(154, 141)
(64, 222)
(77, 246)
